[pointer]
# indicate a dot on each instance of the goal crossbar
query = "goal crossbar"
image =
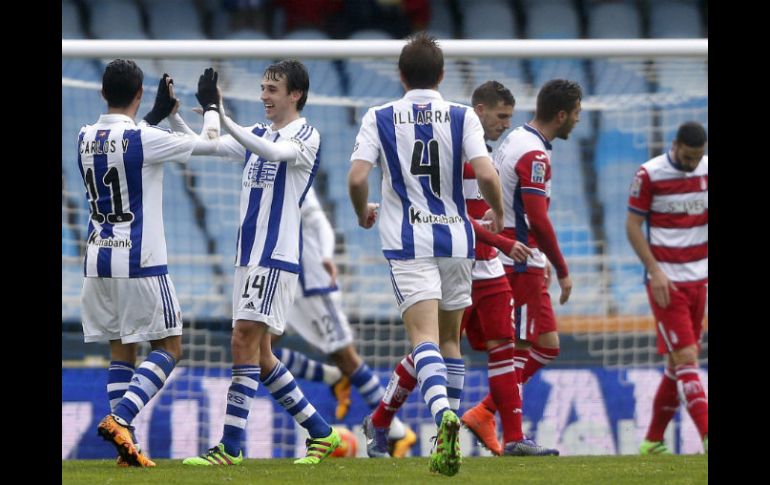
(327, 49)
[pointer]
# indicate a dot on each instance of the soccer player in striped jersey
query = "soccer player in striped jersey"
(523, 160)
(128, 296)
(317, 315)
(422, 142)
(670, 193)
(487, 322)
(280, 162)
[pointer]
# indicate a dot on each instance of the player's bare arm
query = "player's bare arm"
(659, 282)
(358, 186)
(490, 188)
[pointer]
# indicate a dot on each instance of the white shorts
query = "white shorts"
(320, 320)
(130, 309)
(263, 295)
(445, 279)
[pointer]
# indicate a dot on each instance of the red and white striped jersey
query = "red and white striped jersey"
(523, 161)
(487, 264)
(675, 203)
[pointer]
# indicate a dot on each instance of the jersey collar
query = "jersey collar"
(676, 165)
(529, 128)
(422, 95)
(115, 118)
(289, 130)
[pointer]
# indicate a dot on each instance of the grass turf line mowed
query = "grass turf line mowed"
(626, 470)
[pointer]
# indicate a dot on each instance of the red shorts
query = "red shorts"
(489, 316)
(532, 310)
(681, 323)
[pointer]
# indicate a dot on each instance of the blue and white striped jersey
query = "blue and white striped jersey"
(272, 193)
(421, 142)
(122, 168)
(317, 246)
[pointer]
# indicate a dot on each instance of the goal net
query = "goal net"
(632, 107)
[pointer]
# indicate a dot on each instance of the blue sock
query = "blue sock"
(239, 396)
(303, 367)
(431, 377)
(368, 385)
(285, 391)
(455, 379)
(145, 383)
(118, 377)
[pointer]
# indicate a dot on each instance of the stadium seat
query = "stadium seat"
(493, 20)
(71, 25)
(671, 20)
(373, 78)
(673, 115)
(324, 75)
(556, 20)
(616, 21)
(441, 24)
(568, 194)
(186, 22)
(118, 19)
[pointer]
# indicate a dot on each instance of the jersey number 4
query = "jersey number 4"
(432, 169)
(111, 181)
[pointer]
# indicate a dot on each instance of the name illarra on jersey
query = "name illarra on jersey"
(421, 141)
(273, 192)
(122, 170)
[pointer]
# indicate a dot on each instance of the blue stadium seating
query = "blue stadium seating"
(324, 76)
(620, 148)
(615, 21)
(186, 23)
(492, 20)
(118, 19)
(440, 24)
(373, 77)
(71, 27)
(556, 20)
(671, 20)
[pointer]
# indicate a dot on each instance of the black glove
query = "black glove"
(164, 103)
(207, 90)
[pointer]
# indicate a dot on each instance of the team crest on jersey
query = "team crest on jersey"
(636, 186)
(538, 172)
(261, 174)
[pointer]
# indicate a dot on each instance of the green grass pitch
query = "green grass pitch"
(622, 470)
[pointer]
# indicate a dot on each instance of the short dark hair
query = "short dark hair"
(121, 80)
(692, 134)
(557, 95)
(490, 93)
(421, 62)
(297, 78)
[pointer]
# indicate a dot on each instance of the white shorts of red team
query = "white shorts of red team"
(445, 279)
(263, 295)
(320, 320)
(130, 309)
